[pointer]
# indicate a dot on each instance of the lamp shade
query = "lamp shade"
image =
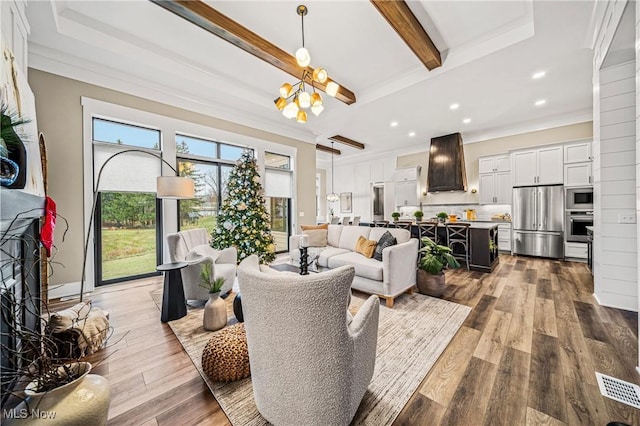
(175, 187)
(332, 89)
(303, 58)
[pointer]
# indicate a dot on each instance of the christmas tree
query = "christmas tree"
(244, 222)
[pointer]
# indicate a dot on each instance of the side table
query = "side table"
(174, 305)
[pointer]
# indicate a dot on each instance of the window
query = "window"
(278, 192)
(209, 164)
(125, 134)
(277, 161)
(126, 216)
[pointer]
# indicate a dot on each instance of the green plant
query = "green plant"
(443, 215)
(395, 215)
(208, 283)
(418, 214)
(436, 257)
(492, 245)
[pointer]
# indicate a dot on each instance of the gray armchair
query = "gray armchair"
(192, 246)
(311, 362)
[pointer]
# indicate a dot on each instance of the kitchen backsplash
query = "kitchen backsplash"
(483, 211)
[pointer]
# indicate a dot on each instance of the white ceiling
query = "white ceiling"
(489, 49)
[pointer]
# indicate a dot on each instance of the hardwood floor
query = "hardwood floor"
(526, 354)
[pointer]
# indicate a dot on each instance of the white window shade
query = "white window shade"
(277, 183)
(128, 172)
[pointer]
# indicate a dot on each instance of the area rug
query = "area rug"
(411, 337)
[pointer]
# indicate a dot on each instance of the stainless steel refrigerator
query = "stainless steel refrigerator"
(537, 221)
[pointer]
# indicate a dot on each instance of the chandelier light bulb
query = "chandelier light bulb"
(332, 89)
(304, 100)
(316, 110)
(316, 99)
(285, 90)
(290, 110)
(301, 117)
(320, 75)
(333, 197)
(280, 103)
(302, 57)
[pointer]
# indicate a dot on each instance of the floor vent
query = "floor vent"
(619, 390)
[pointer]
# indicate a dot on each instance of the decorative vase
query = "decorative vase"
(237, 308)
(215, 313)
(84, 401)
(430, 284)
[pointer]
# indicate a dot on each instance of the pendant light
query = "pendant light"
(333, 197)
(297, 92)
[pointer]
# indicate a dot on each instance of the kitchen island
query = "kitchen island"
(483, 243)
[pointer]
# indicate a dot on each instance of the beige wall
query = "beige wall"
(496, 146)
(59, 116)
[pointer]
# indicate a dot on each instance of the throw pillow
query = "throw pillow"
(317, 237)
(365, 247)
(310, 227)
(387, 240)
(317, 234)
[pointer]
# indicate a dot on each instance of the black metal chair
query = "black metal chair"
(458, 237)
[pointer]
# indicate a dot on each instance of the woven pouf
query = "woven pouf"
(225, 358)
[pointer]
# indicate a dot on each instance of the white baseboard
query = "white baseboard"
(67, 290)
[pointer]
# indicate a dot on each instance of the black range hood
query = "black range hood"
(446, 164)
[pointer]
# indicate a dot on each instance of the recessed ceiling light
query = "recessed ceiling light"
(394, 124)
(454, 106)
(538, 75)
(412, 134)
(541, 102)
(466, 121)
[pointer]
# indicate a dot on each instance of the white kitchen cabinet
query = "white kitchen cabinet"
(543, 166)
(495, 179)
(496, 163)
(504, 237)
(575, 250)
(578, 174)
(406, 193)
(577, 152)
(495, 188)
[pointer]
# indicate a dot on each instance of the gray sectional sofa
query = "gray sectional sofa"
(388, 279)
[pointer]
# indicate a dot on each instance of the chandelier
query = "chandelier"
(294, 98)
(333, 197)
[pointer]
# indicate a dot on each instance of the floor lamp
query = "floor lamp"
(167, 187)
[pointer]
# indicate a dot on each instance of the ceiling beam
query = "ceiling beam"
(347, 141)
(204, 16)
(327, 149)
(405, 23)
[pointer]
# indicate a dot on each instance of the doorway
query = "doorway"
(377, 197)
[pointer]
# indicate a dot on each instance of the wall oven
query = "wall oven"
(578, 199)
(576, 225)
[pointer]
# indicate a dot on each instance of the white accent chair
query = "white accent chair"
(193, 246)
(311, 362)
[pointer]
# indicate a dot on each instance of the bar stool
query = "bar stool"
(346, 220)
(356, 221)
(429, 230)
(335, 220)
(403, 225)
(380, 223)
(458, 235)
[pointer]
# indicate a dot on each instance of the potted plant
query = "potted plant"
(434, 259)
(442, 216)
(395, 216)
(215, 310)
(418, 214)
